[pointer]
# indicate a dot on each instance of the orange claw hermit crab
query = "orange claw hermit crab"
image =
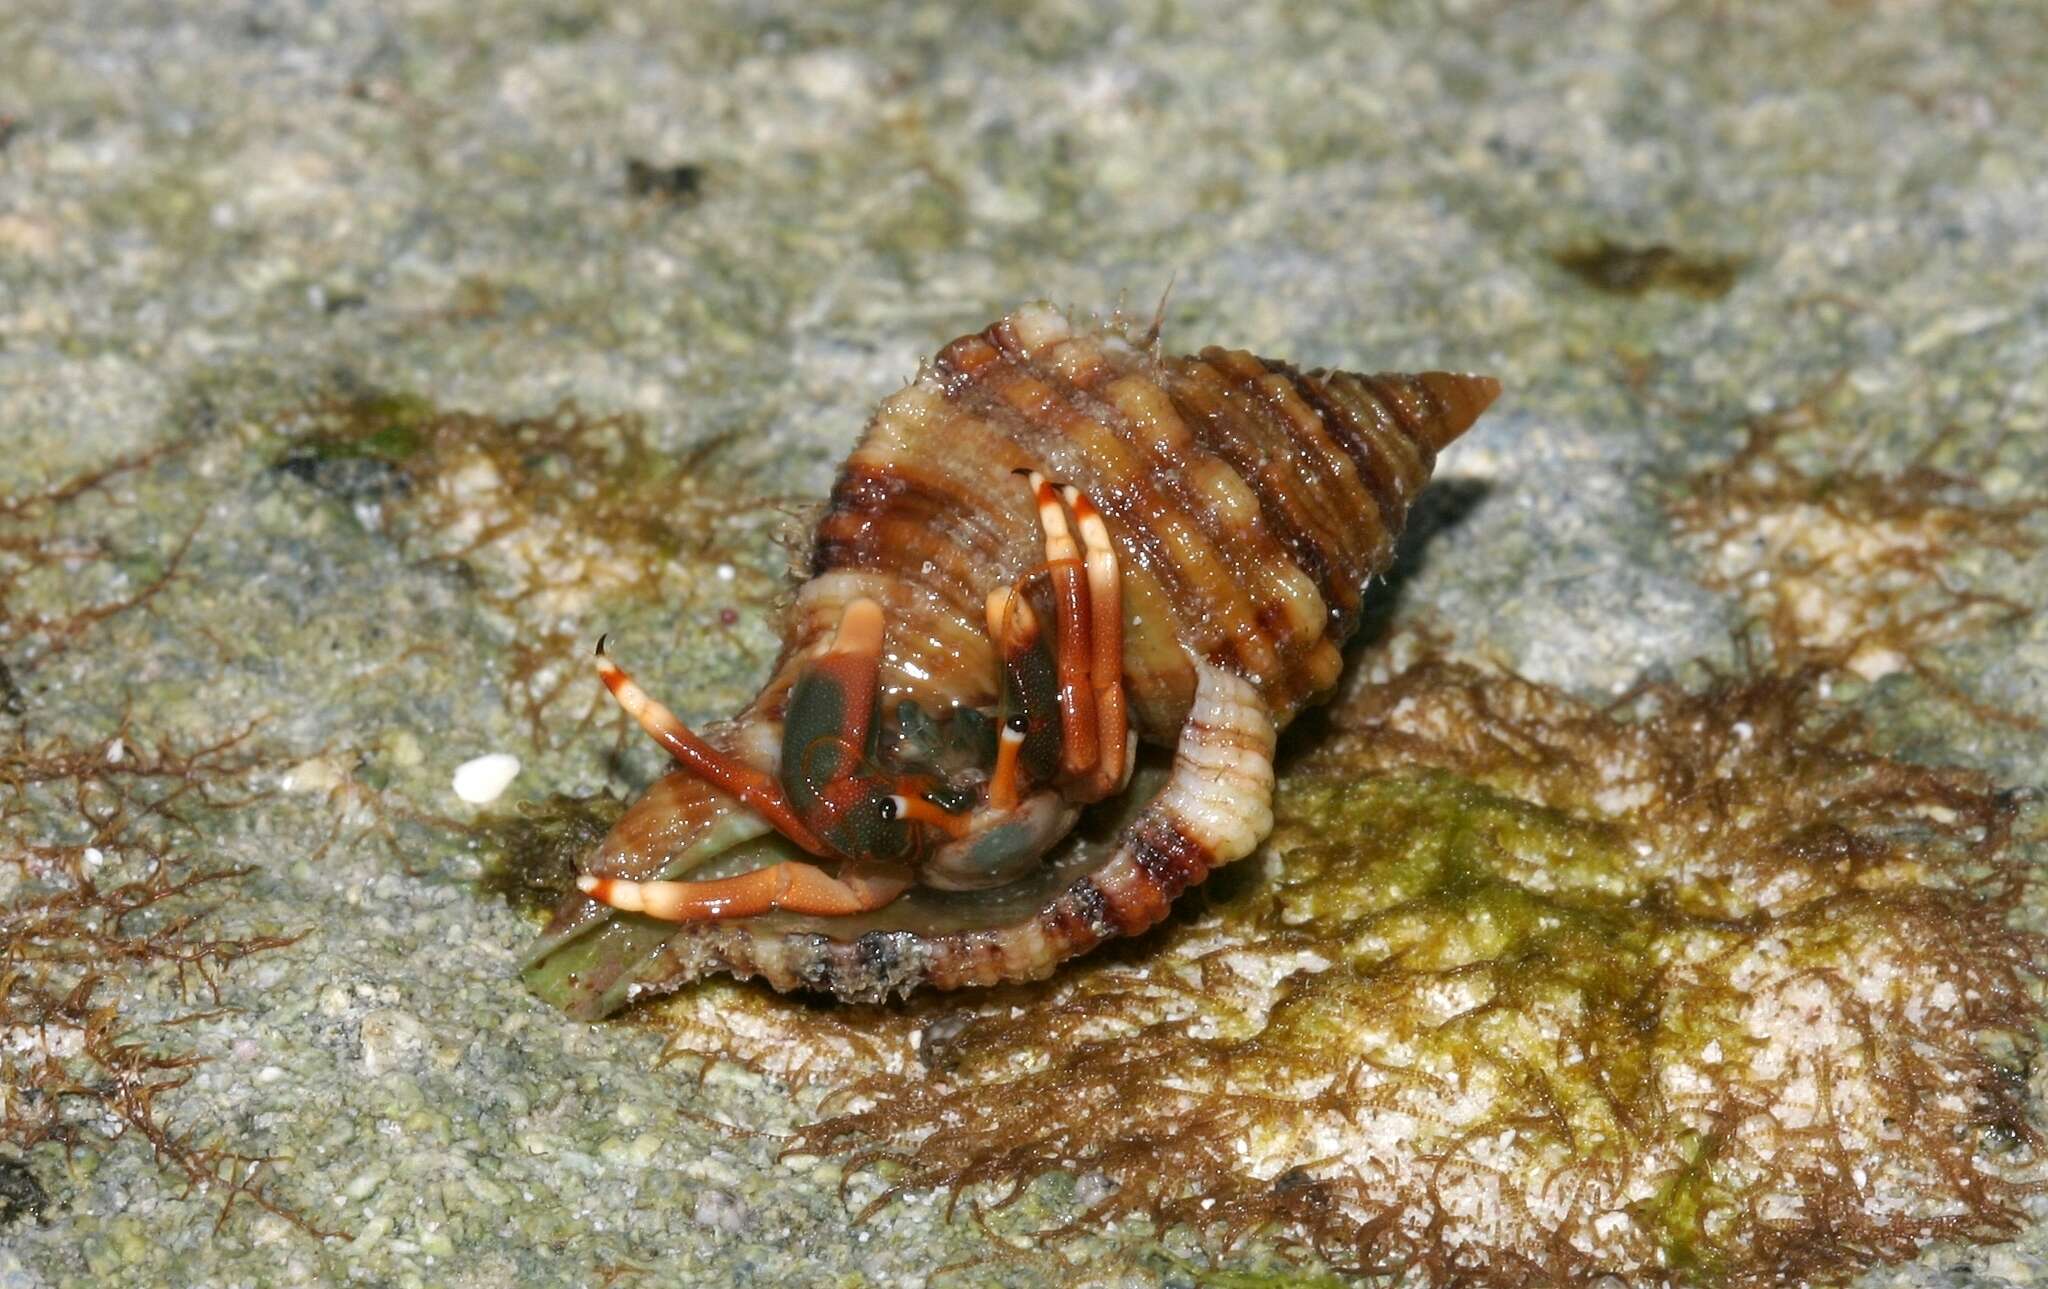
(1050, 547)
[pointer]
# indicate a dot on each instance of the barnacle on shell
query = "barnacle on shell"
(964, 669)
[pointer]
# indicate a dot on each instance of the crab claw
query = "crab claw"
(829, 724)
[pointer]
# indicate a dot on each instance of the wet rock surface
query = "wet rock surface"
(358, 368)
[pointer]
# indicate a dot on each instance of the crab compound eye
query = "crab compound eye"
(1017, 724)
(892, 809)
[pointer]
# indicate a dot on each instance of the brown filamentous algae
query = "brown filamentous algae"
(1703, 992)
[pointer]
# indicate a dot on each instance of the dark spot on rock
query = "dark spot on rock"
(565, 25)
(362, 456)
(21, 1195)
(938, 1046)
(677, 183)
(12, 700)
(1631, 270)
(347, 479)
(1298, 1190)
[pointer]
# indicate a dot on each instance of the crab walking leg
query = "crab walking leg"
(790, 886)
(757, 790)
(1106, 647)
(1070, 642)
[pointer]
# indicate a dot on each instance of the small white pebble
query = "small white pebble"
(483, 779)
(727, 572)
(93, 858)
(115, 751)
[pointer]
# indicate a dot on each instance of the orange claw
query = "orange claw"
(790, 886)
(1071, 644)
(757, 790)
(851, 663)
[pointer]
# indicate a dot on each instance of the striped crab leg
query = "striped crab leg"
(1073, 630)
(1216, 806)
(757, 789)
(1114, 750)
(791, 885)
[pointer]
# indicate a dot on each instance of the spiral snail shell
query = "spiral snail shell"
(1051, 547)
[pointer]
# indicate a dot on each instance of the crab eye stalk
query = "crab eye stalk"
(927, 811)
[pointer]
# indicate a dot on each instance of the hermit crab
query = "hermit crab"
(1056, 546)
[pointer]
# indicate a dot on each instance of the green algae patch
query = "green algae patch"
(380, 425)
(1695, 991)
(557, 522)
(530, 852)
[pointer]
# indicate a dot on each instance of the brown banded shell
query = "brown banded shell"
(1250, 505)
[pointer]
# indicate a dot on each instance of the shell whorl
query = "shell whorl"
(1251, 504)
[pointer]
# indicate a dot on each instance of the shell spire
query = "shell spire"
(1431, 408)
(1460, 397)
